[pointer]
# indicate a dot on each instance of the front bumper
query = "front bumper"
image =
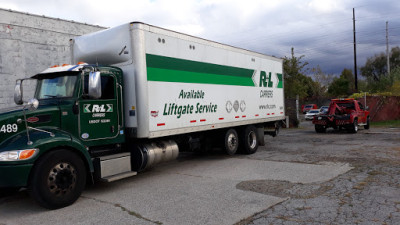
(309, 117)
(14, 175)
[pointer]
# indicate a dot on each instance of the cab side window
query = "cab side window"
(361, 106)
(107, 87)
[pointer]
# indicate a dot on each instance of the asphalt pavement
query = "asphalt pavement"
(194, 189)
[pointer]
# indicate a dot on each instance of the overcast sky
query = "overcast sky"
(322, 30)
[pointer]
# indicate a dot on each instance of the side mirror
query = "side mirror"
(94, 85)
(18, 93)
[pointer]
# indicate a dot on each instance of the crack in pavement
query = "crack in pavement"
(124, 209)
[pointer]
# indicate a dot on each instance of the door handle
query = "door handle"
(75, 108)
(112, 129)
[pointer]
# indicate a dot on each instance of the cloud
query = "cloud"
(325, 6)
(320, 30)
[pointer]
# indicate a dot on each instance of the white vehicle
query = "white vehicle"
(135, 96)
(323, 109)
(310, 114)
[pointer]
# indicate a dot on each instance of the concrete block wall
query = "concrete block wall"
(31, 43)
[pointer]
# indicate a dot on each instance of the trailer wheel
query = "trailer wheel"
(354, 127)
(367, 125)
(249, 140)
(57, 179)
(231, 142)
(320, 128)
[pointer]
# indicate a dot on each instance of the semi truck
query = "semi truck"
(134, 96)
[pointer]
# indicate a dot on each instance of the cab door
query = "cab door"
(99, 118)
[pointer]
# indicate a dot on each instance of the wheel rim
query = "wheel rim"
(355, 126)
(252, 140)
(61, 179)
(232, 141)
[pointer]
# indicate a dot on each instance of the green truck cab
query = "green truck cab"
(76, 109)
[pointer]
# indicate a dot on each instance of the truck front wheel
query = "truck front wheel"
(231, 142)
(58, 179)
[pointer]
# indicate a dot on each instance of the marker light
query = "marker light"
(17, 155)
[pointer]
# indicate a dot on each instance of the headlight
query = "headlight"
(18, 155)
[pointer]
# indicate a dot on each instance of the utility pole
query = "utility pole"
(355, 52)
(387, 48)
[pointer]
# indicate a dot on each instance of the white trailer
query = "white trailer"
(177, 84)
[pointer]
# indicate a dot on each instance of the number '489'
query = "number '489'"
(9, 128)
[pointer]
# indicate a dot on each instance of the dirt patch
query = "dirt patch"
(284, 189)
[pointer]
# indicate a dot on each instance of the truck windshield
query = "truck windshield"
(56, 87)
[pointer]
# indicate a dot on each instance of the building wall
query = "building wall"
(31, 43)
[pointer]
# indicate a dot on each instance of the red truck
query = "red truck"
(343, 113)
(308, 107)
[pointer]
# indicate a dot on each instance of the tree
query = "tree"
(322, 81)
(342, 86)
(293, 66)
(375, 67)
(395, 74)
(296, 83)
(376, 71)
(321, 77)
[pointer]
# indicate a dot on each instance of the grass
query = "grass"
(388, 123)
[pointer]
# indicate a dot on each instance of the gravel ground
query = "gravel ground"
(367, 194)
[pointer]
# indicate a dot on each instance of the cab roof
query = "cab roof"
(64, 68)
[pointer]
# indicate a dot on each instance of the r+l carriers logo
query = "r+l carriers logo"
(104, 108)
(266, 80)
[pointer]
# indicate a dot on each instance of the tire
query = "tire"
(231, 142)
(276, 131)
(57, 179)
(354, 127)
(367, 126)
(248, 140)
(320, 128)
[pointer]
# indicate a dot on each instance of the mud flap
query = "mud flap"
(260, 136)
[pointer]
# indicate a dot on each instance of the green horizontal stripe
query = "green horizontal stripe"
(156, 74)
(167, 69)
